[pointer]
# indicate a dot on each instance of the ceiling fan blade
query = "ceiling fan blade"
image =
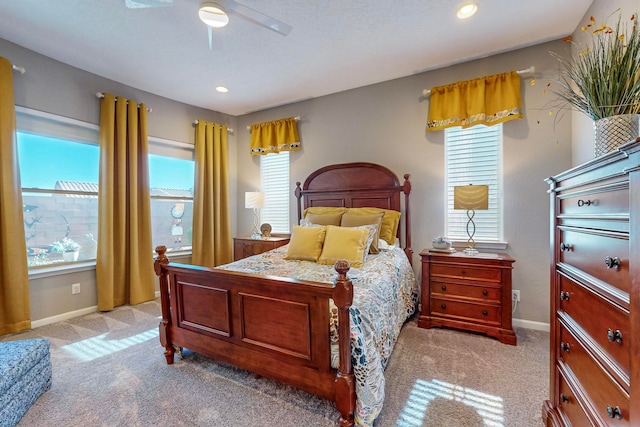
(259, 18)
(137, 4)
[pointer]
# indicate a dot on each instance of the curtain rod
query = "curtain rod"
(296, 118)
(101, 95)
(196, 121)
(529, 72)
(21, 70)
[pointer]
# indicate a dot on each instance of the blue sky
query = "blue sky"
(43, 161)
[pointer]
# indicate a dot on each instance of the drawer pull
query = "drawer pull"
(564, 398)
(564, 296)
(444, 287)
(614, 335)
(564, 346)
(443, 306)
(565, 247)
(612, 262)
(614, 412)
(485, 312)
(582, 203)
(484, 292)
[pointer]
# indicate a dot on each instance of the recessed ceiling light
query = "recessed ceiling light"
(222, 89)
(467, 10)
(213, 15)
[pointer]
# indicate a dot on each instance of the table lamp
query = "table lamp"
(254, 200)
(472, 198)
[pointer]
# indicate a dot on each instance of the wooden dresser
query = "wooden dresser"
(246, 246)
(468, 292)
(595, 293)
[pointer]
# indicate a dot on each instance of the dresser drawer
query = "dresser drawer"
(465, 311)
(602, 390)
(592, 251)
(484, 293)
(570, 404)
(461, 272)
(609, 199)
(598, 318)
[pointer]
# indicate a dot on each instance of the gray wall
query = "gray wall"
(385, 124)
(57, 88)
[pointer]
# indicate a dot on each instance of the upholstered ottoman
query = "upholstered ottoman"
(25, 373)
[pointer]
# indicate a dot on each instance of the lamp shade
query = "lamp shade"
(471, 196)
(253, 199)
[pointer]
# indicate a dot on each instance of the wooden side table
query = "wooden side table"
(468, 292)
(246, 246)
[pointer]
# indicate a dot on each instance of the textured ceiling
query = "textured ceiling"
(335, 45)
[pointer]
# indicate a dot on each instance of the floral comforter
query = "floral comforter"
(385, 295)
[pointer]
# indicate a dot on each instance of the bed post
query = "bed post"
(298, 194)
(406, 188)
(345, 383)
(164, 301)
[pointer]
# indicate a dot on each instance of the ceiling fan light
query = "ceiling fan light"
(467, 10)
(213, 15)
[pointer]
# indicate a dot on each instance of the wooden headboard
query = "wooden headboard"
(357, 185)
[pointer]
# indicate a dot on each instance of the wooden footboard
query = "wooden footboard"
(274, 327)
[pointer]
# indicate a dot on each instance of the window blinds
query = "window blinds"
(274, 183)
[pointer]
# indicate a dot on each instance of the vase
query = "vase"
(70, 256)
(612, 132)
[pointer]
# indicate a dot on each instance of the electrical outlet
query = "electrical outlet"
(516, 294)
(75, 288)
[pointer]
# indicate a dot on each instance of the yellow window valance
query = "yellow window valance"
(275, 136)
(488, 100)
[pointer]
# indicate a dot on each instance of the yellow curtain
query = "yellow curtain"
(211, 241)
(124, 264)
(15, 311)
(488, 100)
(276, 136)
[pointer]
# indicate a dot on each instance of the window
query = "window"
(171, 177)
(274, 183)
(58, 159)
(474, 156)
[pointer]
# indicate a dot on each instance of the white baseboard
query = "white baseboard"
(529, 324)
(63, 316)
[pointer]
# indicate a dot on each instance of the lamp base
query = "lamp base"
(256, 236)
(471, 251)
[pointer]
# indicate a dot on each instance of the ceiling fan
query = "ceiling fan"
(214, 14)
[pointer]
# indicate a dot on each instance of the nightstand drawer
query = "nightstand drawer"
(467, 311)
(462, 272)
(244, 247)
(483, 293)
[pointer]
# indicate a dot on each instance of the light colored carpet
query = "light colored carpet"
(109, 370)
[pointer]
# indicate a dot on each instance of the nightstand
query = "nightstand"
(246, 246)
(468, 292)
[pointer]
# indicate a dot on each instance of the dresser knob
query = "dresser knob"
(564, 398)
(614, 335)
(612, 262)
(564, 296)
(565, 247)
(564, 346)
(484, 292)
(582, 203)
(485, 312)
(443, 306)
(614, 412)
(444, 287)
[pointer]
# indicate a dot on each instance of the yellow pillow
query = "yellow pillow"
(351, 220)
(322, 210)
(390, 221)
(306, 243)
(324, 219)
(348, 243)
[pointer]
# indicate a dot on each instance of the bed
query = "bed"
(249, 315)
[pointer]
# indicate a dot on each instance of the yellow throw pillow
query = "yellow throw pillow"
(324, 219)
(351, 220)
(390, 221)
(306, 243)
(347, 243)
(323, 210)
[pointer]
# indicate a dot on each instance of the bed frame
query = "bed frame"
(278, 327)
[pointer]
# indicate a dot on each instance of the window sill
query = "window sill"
(461, 244)
(58, 270)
